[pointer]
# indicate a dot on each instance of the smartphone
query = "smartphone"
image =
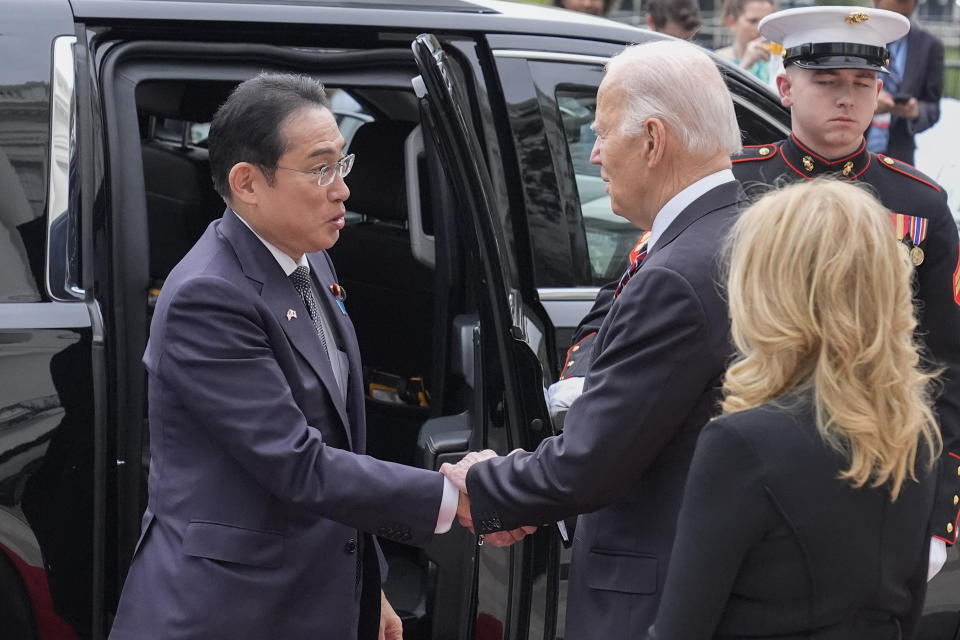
(902, 98)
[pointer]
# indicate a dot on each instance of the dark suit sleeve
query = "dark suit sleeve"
(222, 368)
(638, 394)
(725, 513)
(931, 91)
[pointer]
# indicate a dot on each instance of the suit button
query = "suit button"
(949, 527)
(351, 546)
(956, 499)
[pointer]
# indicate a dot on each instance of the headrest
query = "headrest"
(182, 100)
(378, 182)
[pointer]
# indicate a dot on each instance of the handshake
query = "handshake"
(457, 474)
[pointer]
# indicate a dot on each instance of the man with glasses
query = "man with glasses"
(261, 500)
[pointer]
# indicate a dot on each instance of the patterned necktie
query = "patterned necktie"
(301, 282)
(640, 252)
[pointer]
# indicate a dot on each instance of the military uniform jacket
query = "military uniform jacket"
(921, 219)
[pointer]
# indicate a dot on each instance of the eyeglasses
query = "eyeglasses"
(328, 172)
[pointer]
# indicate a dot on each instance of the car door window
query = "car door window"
(609, 237)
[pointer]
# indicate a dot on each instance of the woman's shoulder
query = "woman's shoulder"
(790, 418)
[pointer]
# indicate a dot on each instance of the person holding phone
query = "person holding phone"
(910, 99)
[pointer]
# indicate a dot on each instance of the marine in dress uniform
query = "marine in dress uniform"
(838, 38)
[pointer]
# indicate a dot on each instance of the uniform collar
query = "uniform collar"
(809, 164)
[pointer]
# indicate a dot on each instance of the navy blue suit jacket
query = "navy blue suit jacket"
(628, 440)
(258, 482)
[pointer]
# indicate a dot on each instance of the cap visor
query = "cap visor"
(839, 62)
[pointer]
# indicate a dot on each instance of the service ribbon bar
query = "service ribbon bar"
(913, 226)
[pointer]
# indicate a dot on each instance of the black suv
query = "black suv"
(478, 233)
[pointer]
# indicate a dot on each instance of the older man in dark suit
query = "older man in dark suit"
(261, 500)
(910, 100)
(660, 353)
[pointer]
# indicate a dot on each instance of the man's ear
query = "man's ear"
(785, 87)
(655, 142)
(649, 20)
(245, 179)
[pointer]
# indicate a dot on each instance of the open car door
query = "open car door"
(513, 590)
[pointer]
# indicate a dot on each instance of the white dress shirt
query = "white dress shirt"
(684, 199)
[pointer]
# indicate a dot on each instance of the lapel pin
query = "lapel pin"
(291, 314)
(340, 294)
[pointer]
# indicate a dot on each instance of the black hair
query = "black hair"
(686, 13)
(246, 128)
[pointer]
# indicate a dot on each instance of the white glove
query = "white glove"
(562, 393)
(938, 556)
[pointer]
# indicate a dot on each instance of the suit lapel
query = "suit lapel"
(909, 79)
(279, 295)
(719, 197)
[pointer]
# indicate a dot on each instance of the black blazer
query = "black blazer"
(922, 79)
(629, 438)
(772, 544)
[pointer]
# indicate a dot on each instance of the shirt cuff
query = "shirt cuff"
(448, 507)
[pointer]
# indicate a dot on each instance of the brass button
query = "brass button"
(956, 499)
(949, 527)
(575, 348)
(958, 471)
(888, 160)
(764, 151)
(570, 363)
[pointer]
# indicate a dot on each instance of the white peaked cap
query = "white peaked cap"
(835, 37)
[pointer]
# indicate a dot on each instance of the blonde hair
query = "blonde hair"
(821, 300)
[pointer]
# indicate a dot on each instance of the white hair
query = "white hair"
(677, 82)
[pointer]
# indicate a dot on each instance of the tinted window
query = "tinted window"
(609, 237)
(24, 130)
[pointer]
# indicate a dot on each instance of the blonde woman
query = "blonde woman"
(806, 512)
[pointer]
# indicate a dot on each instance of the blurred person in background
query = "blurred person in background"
(593, 7)
(750, 50)
(808, 502)
(677, 18)
(910, 99)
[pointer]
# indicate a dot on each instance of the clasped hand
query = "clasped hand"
(457, 474)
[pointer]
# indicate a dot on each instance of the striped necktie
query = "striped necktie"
(638, 254)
